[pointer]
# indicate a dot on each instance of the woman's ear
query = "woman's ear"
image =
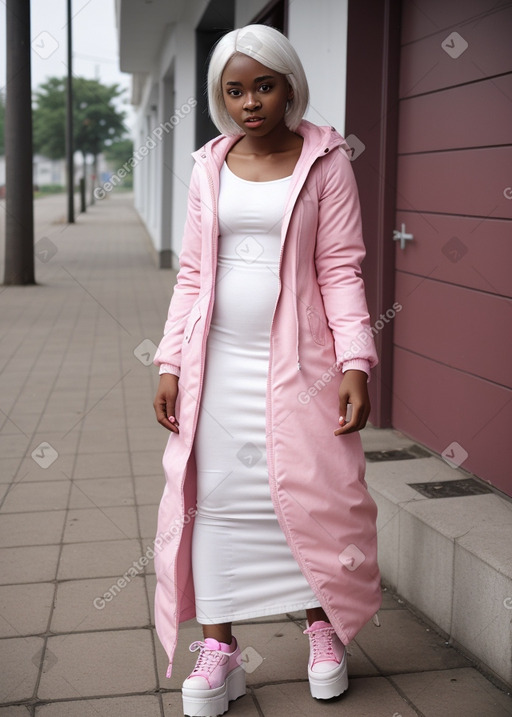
(290, 93)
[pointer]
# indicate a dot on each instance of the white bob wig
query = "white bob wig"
(269, 47)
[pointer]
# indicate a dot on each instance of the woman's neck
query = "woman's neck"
(281, 139)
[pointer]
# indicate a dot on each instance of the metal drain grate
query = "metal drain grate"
(404, 454)
(451, 488)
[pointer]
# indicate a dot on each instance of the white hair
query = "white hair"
(269, 47)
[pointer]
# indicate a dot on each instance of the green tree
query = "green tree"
(117, 154)
(96, 122)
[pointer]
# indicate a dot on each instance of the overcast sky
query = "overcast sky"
(95, 47)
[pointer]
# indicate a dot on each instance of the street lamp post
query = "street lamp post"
(19, 199)
(69, 123)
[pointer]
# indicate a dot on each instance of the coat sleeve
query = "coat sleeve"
(186, 290)
(338, 256)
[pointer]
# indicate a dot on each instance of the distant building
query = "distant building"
(49, 171)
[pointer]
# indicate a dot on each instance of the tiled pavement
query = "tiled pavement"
(80, 480)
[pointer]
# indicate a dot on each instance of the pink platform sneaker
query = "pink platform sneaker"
(327, 667)
(216, 679)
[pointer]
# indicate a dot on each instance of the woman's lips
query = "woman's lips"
(254, 121)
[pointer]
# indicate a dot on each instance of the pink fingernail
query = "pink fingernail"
(341, 421)
(172, 419)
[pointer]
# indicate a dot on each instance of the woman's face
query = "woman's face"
(255, 96)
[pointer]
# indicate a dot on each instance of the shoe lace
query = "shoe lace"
(321, 643)
(208, 659)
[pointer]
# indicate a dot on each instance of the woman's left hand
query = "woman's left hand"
(353, 390)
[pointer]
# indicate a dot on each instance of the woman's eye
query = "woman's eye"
(265, 88)
(234, 93)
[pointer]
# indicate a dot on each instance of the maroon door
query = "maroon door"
(452, 352)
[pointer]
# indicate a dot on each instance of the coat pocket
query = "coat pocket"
(194, 317)
(316, 325)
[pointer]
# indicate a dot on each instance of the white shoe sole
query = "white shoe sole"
(211, 703)
(325, 685)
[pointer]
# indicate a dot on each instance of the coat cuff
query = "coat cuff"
(356, 364)
(169, 368)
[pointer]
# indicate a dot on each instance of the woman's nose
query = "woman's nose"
(251, 102)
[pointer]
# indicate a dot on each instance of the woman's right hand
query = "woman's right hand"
(165, 402)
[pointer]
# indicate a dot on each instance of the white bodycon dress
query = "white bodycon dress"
(242, 564)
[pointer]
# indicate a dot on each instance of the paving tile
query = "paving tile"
(390, 601)
(403, 644)
(107, 440)
(25, 496)
(149, 489)
(242, 707)
(365, 697)
(60, 420)
(82, 605)
(100, 524)
(13, 445)
(98, 663)
(61, 469)
(148, 521)
(97, 559)
(153, 438)
(136, 706)
(20, 659)
(458, 692)
(63, 445)
(4, 489)
(13, 711)
(147, 463)
(25, 609)
(31, 528)
(358, 663)
(102, 465)
(148, 549)
(101, 492)
(36, 563)
(150, 589)
(8, 469)
(383, 439)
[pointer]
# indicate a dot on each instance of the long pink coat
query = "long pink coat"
(320, 324)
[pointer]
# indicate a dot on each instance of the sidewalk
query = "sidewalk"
(80, 482)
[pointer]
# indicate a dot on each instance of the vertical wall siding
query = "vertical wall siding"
(453, 337)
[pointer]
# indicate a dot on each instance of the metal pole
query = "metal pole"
(19, 200)
(69, 124)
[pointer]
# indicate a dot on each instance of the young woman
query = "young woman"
(265, 508)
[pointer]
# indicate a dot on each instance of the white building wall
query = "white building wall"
(318, 31)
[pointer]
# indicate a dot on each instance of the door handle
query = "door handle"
(402, 236)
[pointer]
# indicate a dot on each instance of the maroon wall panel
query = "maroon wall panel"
(426, 66)
(460, 250)
(452, 363)
(428, 17)
(458, 117)
(450, 324)
(470, 182)
(438, 405)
